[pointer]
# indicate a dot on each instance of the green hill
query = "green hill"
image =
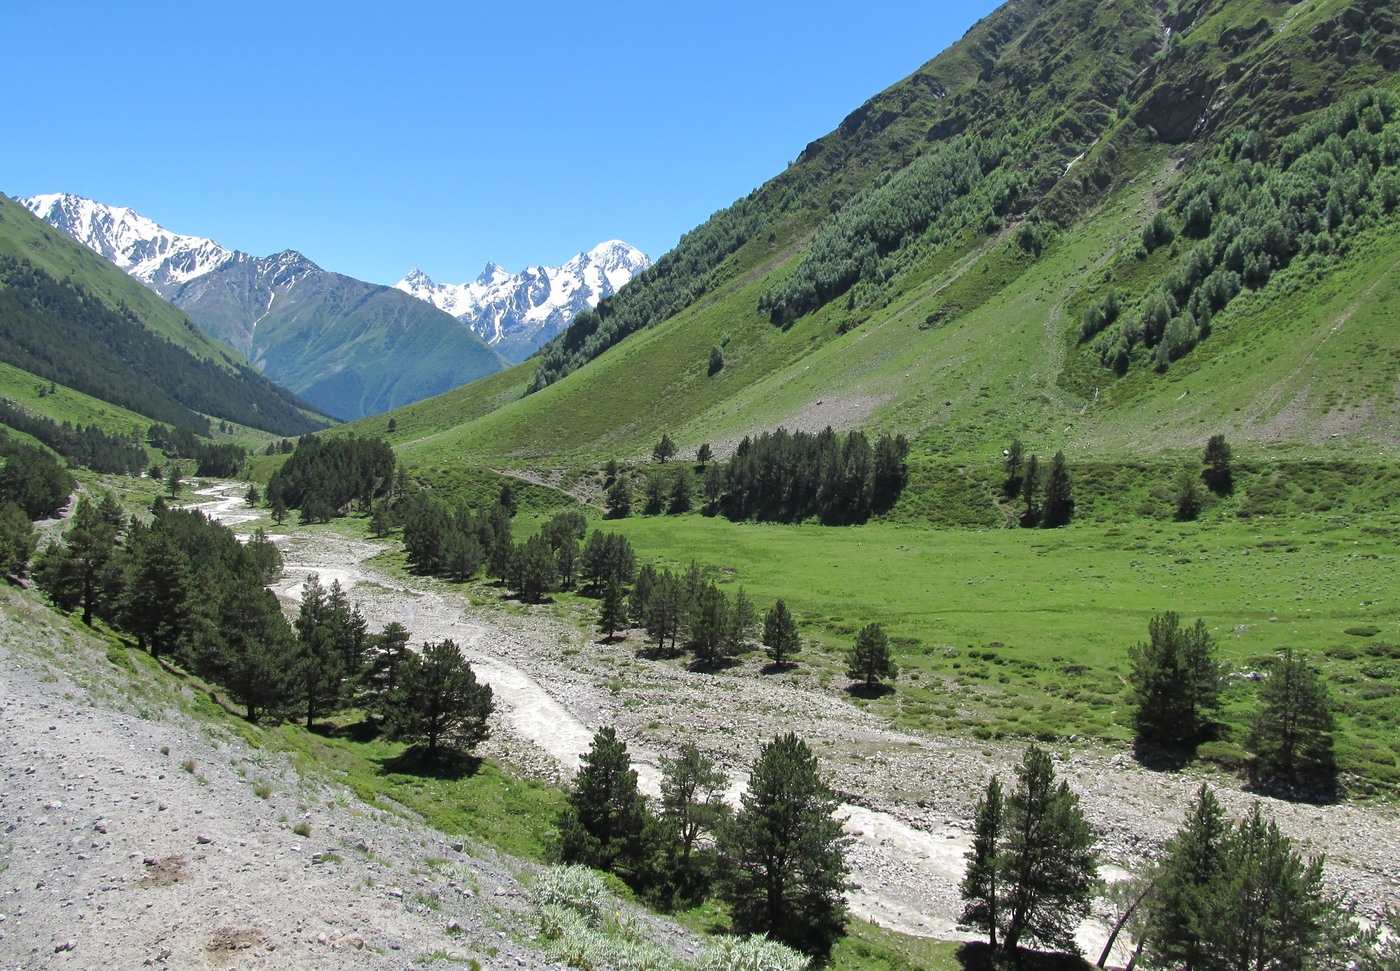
(941, 264)
(71, 318)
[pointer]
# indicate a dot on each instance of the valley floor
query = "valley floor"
(140, 834)
(908, 796)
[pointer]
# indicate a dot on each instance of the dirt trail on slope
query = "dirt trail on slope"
(907, 797)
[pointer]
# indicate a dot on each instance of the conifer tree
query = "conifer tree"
(1176, 681)
(692, 798)
(612, 612)
(664, 449)
(1058, 504)
(780, 634)
(784, 852)
(980, 886)
(870, 660)
(1291, 737)
(605, 821)
(439, 700)
(1047, 861)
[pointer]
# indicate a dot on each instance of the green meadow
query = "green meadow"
(1025, 633)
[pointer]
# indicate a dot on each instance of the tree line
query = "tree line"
(188, 592)
(324, 476)
(776, 476)
(59, 331)
(85, 445)
(32, 479)
(778, 861)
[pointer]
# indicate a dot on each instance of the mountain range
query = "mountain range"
(349, 347)
(517, 312)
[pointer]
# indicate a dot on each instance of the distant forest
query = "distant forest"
(60, 332)
(85, 445)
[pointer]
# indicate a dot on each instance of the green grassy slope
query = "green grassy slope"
(72, 318)
(23, 235)
(967, 333)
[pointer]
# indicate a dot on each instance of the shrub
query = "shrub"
(575, 887)
(749, 954)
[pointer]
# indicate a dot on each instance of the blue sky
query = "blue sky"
(376, 137)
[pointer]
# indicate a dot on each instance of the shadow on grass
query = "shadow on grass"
(445, 765)
(978, 956)
(869, 691)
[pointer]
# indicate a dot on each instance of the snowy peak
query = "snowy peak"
(517, 312)
(162, 260)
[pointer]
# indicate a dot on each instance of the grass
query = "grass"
(1025, 633)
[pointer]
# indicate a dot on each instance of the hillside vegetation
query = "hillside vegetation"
(70, 318)
(1108, 228)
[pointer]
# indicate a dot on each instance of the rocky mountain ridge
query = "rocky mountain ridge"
(517, 312)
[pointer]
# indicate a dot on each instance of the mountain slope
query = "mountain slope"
(349, 347)
(517, 312)
(941, 263)
(69, 317)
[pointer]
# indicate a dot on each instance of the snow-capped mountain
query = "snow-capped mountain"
(349, 347)
(162, 260)
(517, 312)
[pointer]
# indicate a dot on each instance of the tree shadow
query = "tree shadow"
(653, 653)
(869, 691)
(1162, 758)
(979, 956)
(1322, 789)
(712, 667)
(778, 667)
(446, 765)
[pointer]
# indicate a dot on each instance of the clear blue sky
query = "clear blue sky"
(375, 137)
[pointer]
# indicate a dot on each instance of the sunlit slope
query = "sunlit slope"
(833, 301)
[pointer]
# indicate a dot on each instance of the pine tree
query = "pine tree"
(1218, 474)
(17, 540)
(692, 798)
(780, 634)
(664, 449)
(1189, 889)
(1058, 504)
(605, 821)
(1291, 738)
(1047, 862)
(784, 853)
(980, 886)
(612, 612)
(709, 625)
(870, 660)
(440, 701)
(1176, 682)
(317, 667)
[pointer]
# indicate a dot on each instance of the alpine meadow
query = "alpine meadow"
(975, 548)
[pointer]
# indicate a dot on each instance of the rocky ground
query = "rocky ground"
(136, 836)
